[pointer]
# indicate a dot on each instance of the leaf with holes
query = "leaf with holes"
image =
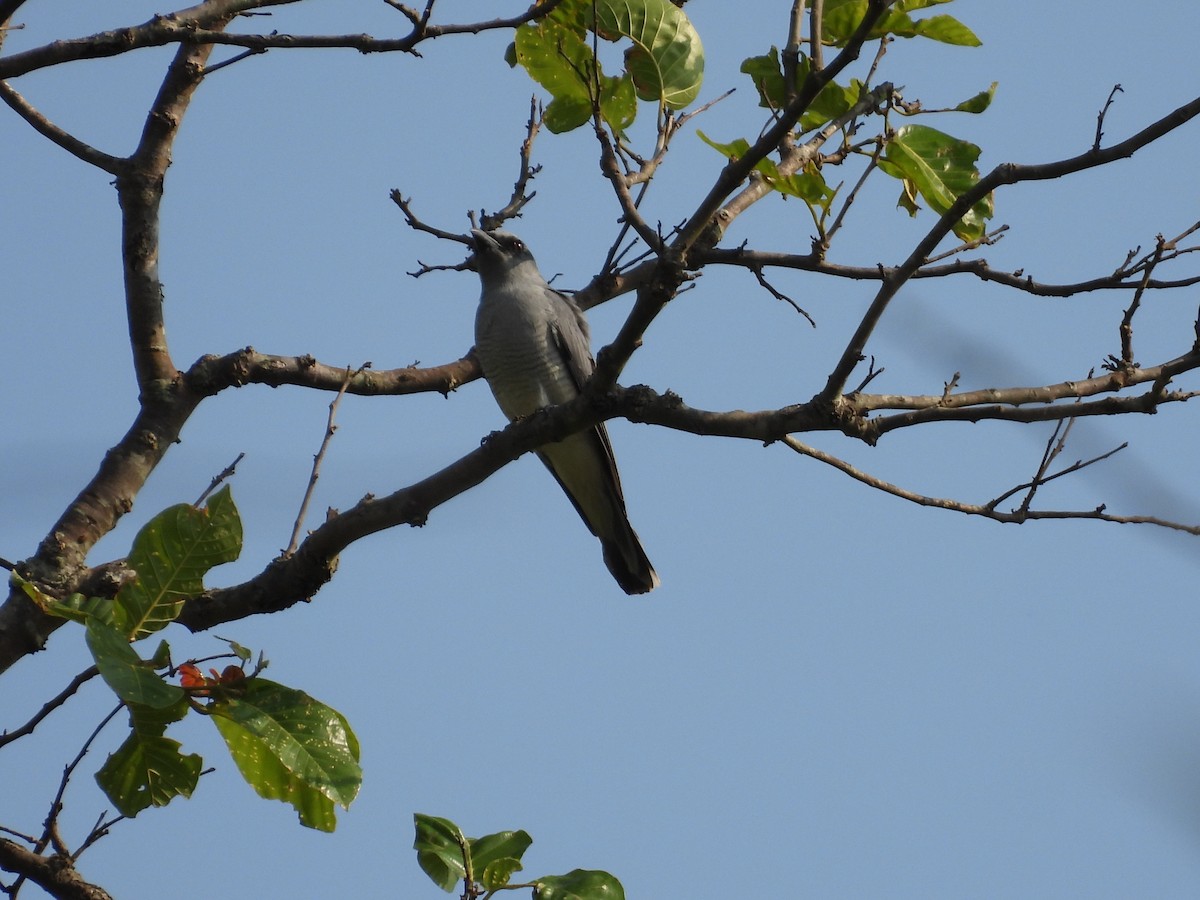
(171, 555)
(148, 769)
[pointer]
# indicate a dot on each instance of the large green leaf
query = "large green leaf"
(171, 555)
(665, 63)
(556, 55)
(579, 884)
(148, 769)
(842, 18)
(666, 59)
(132, 678)
(939, 168)
(439, 844)
(291, 747)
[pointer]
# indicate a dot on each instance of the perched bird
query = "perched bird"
(535, 351)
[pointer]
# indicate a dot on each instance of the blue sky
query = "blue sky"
(832, 691)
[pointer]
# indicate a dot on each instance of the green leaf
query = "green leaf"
(556, 56)
(979, 102)
(171, 554)
(499, 872)
(766, 72)
(76, 607)
(666, 62)
(130, 676)
(245, 654)
(832, 101)
(148, 769)
(842, 18)
(666, 59)
(579, 884)
(939, 168)
(291, 747)
(809, 185)
(503, 845)
(439, 844)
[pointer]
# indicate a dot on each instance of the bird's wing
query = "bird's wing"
(572, 338)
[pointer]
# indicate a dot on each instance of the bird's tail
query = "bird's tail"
(628, 563)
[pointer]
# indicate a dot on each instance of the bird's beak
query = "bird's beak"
(484, 243)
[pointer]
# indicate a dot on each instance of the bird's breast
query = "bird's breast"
(519, 356)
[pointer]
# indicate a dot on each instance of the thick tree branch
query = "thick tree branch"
(56, 874)
(212, 374)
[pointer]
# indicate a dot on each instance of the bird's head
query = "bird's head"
(499, 254)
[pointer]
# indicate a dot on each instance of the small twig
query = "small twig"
(853, 195)
(216, 67)
(416, 224)
(779, 295)
(225, 473)
(27, 838)
(985, 240)
(816, 27)
(949, 386)
(58, 700)
(872, 374)
(1104, 112)
(50, 834)
(1054, 446)
(330, 428)
(1126, 329)
(99, 830)
(1076, 466)
(519, 197)
(986, 510)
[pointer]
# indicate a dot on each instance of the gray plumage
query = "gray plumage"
(535, 350)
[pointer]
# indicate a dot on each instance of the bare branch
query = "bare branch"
(54, 703)
(975, 509)
(519, 197)
(330, 429)
(1104, 112)
(212, 374)
(1119, 280)
(224, 474)
(778, 295)
(201, 24)
(1005, 174)
(47, 129)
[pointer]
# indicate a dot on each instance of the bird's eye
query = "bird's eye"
(518, 245)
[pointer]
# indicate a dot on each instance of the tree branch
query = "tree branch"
(196, 25)
(56, 875)
(1002, 175)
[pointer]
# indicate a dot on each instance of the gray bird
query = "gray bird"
(535, 350)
